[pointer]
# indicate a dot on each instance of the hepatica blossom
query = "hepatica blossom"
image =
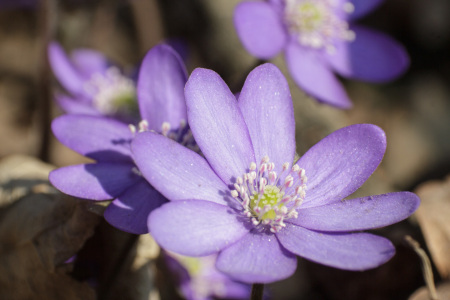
(97, 87)
(319, 39)
(198, 279)
(248, 200)
(107, 141)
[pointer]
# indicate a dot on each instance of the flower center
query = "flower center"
(268, 200)
(316, 23)
(113, 93)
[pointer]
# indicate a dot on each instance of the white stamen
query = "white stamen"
(317, 23)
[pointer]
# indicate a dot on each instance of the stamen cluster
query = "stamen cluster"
(182, 134)
(112, 92)
(263, 194)
(316, 23)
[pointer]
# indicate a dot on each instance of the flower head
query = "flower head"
(319, 39)
(97, 87)
(107, 141)
(247, 199)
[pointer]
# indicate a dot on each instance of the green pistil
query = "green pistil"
(272, 196)
(126, 103)
(311, 16)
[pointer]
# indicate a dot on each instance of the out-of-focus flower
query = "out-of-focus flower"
(248, 201)
(97, 87)
(107, 141)
(199, 279)
(320, 39)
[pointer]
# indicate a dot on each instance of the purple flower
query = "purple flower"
(320, 39)
(248, 201)
(107, 141)
(199, 279)
(97, 86)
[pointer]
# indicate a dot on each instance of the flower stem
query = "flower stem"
(426, 267)
(257, 291)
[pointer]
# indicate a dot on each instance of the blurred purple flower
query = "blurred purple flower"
(319, 38)
(253, 211)
(97, 87)
(115, 176)
(199, 279)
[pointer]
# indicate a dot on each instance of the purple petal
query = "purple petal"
(266, 104)
(310, 71)
(259, 28)
(218, 125)
(130, 211)
(372, 56)
(195, 227)
(160, 88)
(177, 172)
(99, 138)
(100, 181)
(359, 214)
(180, 46)
(76, 106)
(63, 69)
(361, 7)
(89, 62)
(347, 251)
(257, 258)
(340, 163)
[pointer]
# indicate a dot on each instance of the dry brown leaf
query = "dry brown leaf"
(434, 218)
(40, 229)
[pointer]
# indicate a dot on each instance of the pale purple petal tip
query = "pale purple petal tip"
(266, 104)
(100, 181)
(347, 251)
(160, 88)
(64, 70)
(129, 212)
(218, 125)
(195, 227)
(260, 28)
(359, 214)
(257, 258)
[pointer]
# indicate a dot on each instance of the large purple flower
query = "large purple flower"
(114, 176)
(249, 201)
(97, 86)
(319, 39)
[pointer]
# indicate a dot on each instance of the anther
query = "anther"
(165, 128)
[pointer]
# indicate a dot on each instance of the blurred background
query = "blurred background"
(414, 111)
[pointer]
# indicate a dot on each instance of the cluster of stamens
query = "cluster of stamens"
(266, 198)
(182, 134)
(112, 92)
(316, 23)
